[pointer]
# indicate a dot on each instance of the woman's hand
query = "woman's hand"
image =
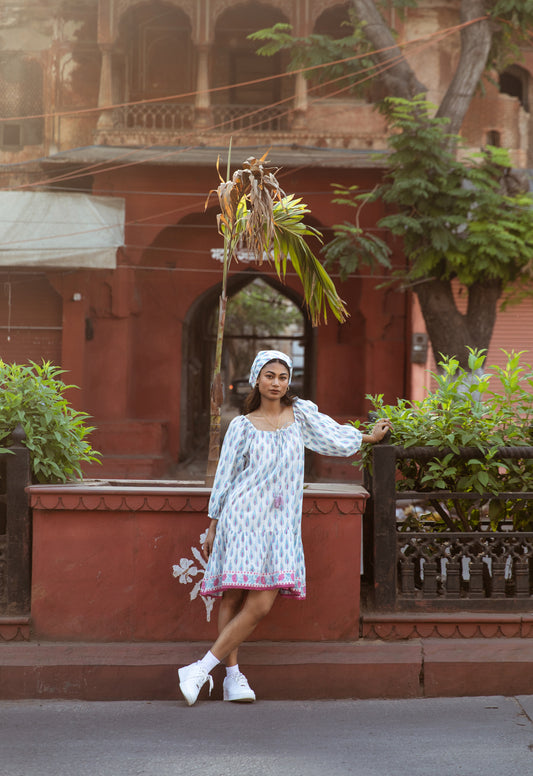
(207, 546)
(382, 427)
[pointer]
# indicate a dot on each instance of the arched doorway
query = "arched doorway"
(283, 325)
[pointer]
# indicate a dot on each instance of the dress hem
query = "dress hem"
(284, 591)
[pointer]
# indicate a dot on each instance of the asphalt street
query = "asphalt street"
(490, 736)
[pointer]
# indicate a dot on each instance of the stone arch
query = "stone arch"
(122, 7)
(329, 21)
(198, 355)
(157, 52)
(226, 5)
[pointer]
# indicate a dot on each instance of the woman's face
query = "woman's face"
(273, 382)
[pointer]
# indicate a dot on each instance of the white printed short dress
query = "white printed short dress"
(257, 499)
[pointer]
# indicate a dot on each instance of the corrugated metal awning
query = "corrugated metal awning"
(58, 229)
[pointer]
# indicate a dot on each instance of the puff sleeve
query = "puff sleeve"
(324, 435)
(231, 463)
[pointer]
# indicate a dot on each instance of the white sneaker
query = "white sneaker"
(192, 679)
(236, 688)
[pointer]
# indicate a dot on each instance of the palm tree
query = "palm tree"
(257, 215)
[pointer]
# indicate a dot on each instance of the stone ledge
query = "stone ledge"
(147, 671)
(277, 671)
(477, 667)
(453, 625)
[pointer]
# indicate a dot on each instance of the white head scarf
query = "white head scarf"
(262, 358)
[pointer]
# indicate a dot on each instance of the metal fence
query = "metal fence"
(15, 529)
(445, 570)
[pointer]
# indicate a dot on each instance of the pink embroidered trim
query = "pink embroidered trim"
(284, 591)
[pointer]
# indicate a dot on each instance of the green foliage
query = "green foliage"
(468, 409)
(453, 217)
(352, 247)
(33, 396)
(513, 20)
(347, 53)
(260, 310)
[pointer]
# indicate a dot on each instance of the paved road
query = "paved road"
(446, 737)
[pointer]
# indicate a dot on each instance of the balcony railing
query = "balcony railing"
(257, 117)
(176, 117)
(154, 116)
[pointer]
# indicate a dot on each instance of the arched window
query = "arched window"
(514, 81)
(252, 99)
(21, 94)
(157, 42)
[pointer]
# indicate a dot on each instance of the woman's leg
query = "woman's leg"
(230, 605)
(257, 605)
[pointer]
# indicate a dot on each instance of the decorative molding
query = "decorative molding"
(189, 7)
(111, 502)
(14, 628)
(319, 6)
(48, 498)
(471, 626)
(220, 6)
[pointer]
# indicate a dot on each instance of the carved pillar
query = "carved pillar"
(105, 94)
(202, 106)
(300, 102)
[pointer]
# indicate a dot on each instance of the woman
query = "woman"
(254, 544)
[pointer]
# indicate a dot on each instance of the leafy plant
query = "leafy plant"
(465, 220)
(257, 215)
(468, 409)
(325, 60)
(56, 434)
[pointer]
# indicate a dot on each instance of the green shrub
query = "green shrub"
(485, 411)
(56, 434)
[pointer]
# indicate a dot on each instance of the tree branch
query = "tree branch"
(399, 80)
(476, 41)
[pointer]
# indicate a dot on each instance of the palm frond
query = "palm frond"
(289, 243)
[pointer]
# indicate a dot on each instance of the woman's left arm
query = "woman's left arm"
(324, 435)
(382, 427)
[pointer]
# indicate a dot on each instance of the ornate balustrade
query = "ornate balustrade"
(179, 116)
(482, 570)
(257, 117)
(154, 116)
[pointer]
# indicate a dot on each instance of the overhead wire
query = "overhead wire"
(160, 154)
(101, 167)
(377, 69)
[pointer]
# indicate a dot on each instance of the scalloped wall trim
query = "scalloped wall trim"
(467, 626)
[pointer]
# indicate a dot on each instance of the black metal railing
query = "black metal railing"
(446, 570)
(15, 528)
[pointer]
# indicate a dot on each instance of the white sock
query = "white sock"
(232, 670)
(209, 661)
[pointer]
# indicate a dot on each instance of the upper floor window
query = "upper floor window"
(236, 63)
(158, 55)
(21, 94)
(515, 82)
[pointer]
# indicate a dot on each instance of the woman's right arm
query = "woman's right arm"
(230, 464)
(207, 546)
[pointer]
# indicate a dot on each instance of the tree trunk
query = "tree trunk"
(450, 330)
(476, 41)
(399, 79)
(217, 394)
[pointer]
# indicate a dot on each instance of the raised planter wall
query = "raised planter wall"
(103, 558)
